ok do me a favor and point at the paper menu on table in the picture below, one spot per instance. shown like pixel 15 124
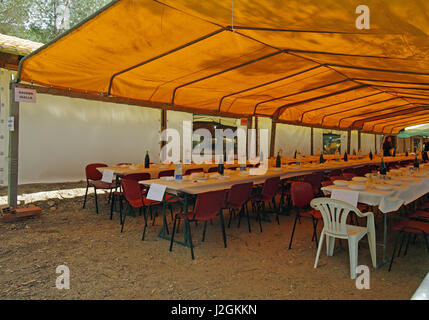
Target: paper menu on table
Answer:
pixel 156 192
pixel 107 176
pixel 348 196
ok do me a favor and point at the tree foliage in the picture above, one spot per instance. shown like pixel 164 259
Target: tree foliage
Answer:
pixel 37 20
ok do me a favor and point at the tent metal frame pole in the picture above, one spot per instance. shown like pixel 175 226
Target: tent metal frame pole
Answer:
pixel 402 120
pixel 13 151
pixel 360 107
pixel 397 87
pixel 390 81
pixel 266 83
pixel 377 70
pixel 224 71
pixel 312 141
pixel 273 136
pixel 397 121
pixel 372 112
pixel 359 140
pixel 384 116
pixel 281 109
pixel 299 92
pixel 109 91
pixel 338 103
pixel 414 123
pixel 349 139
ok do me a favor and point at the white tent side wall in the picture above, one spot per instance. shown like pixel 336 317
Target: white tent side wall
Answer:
pixel 59 136
pixel 290 138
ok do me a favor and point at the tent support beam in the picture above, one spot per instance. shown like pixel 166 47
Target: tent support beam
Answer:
pixel 12 185
pixel 372 112
pixel 359 140
pixel 386 116
pixel 364 106
pixel 338 103
pixel 273 136
pixel 109 91
pixel 378 70
pixel 224 71
pixel 266 84
pixel 312 141
pixel 403 120
pixel 299 92
pixel 281 109
pixel 403 125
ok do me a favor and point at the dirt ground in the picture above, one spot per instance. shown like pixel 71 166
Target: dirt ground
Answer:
pixel 105 264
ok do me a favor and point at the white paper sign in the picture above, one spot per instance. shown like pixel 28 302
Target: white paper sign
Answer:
pixel 346 196
pixel 156 192
pixel 107 176
pixel 25 95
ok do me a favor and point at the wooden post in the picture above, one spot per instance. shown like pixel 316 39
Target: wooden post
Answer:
pixel 359 141
pixel 13 149
pixel 348 140
pixel 273 137
pixel 163 127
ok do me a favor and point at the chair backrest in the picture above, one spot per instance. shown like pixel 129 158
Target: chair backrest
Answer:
pixel 301 194
pixel 348 170
pixel 138 176
pixel 166 173
pixel 335 173
pixel 315 179
pixel 91 171
pixel 348 176
pixel 360 171
pixel 208 204
pixel 190 171
pixel 240 193
pixel 334 213
pixel 212 169
pixel 132 192
pixel 123 164
pixel 333 178
pixel 270 188
pixel 327 183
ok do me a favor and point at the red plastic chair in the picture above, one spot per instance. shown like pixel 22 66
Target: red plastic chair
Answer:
pixel 348 176
pixel 410 227
pixel 315 179
pixel 212 169
pixel 119 194
pixel 194 170
pixel 133 195
pixel 268 193
pixel 335 172
pixel 93 179
pixel 207 206
pixel 166 173
pixel 333 178
pixel 302 194
pixel 238 196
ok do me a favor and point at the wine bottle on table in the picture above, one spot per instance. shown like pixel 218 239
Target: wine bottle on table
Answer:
pixel 406 153
pixel 321 158
pixel 146 160
pixel 278 160
pixel 416 162
pixel 370 155
pixel 383 169
pixel 346 157
pixel 220 167
pixel 295 154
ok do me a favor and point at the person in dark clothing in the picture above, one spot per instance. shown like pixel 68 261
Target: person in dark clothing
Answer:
pixel 387 147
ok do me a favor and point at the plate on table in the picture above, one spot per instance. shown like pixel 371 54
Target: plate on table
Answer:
pixel 220 177
pixel 341 183
pixel 166 178
pixel 383 187
pixel 357 186
pixel 277 169
pixel 394 182
pixel 359 179
pixel 407 179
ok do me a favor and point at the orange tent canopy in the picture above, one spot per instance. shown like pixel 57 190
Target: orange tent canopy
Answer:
pixel 300 62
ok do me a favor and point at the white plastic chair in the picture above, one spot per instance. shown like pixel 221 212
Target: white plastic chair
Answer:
pixel 334 213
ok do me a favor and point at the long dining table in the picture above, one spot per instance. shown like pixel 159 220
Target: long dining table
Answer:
pixel 389 195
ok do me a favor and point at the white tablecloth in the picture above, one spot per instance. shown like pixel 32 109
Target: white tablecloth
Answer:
pixel 390 201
